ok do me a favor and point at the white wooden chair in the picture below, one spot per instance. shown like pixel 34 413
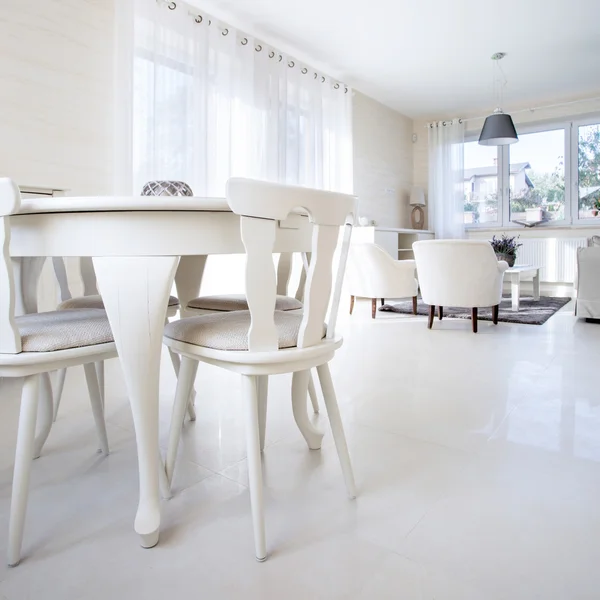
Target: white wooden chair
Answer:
pixel 219 303
pixel 32 345
pixel 262 341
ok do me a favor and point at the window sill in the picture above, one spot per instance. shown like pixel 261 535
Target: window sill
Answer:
pixel 513 227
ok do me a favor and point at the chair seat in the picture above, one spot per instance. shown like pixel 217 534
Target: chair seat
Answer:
pixel 230 302
pixel 229 331
pixel 63 329
pixel 96 302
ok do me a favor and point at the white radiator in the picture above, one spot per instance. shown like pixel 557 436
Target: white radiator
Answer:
pixel 557 257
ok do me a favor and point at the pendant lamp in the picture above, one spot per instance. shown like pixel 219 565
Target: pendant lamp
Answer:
pixel 498 129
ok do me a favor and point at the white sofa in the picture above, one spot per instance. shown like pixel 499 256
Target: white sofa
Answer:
pixel 463 273
pixel 374 274
pixel 587 284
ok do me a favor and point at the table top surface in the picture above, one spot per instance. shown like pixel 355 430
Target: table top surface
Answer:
pixel 67 204
pixel 522 268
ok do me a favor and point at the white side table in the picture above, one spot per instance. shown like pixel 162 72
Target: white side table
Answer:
pixel 515 275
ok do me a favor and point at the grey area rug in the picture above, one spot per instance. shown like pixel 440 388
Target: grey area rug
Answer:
pixel 531 312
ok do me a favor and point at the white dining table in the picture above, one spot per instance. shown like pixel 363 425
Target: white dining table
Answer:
pixel 139 245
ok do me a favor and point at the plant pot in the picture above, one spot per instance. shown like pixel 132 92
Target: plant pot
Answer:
pixel 509 258
pixel 595 212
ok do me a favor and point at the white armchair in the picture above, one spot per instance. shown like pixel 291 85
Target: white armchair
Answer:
pixel 587 284
pixel 375 274
pixel 463 273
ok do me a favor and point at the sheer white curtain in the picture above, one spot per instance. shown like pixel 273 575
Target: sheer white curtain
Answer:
pixel 208 102
pixel 446 179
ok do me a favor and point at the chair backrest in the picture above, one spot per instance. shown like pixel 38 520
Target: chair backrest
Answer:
pixel 284 273
pixel 10 202
pixel 455 268
pixel 261 205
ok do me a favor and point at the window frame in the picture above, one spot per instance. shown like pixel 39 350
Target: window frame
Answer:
pixel 571 161
pixel 574 188
pixel 473 137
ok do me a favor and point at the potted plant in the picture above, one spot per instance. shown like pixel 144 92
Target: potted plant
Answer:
pixel 506 248
pixel 596 207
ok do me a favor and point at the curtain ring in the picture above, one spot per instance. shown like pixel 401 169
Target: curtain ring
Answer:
pixel 244 41
pixel 304 71
pixel 210 22
pixel 198 18
pixel 280 58
pixel 346 90
pixel 322 79
pixel 291 64
pixel 336 86
pixel 224 32
pixel 258 48
pixel 271 54
pixel 315 76
pixel 171 6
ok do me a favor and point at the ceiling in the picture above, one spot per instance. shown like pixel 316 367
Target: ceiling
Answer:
pixel 431 58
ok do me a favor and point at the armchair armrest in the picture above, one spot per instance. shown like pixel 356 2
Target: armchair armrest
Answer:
pixel 502 266
pixel 407 265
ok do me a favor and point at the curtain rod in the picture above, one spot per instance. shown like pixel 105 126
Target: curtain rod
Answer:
pixel 514 112
pixel 198 18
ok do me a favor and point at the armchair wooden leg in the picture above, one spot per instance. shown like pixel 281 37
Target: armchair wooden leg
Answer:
pixel 431 317
pixel 373 307
pixel 495 310
pixel 440 312
pixel 382 301
pixel 351 304
pixel 474 319
pixel 414 305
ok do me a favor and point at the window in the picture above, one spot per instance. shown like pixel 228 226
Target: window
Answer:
pixel 480 184
pixel 537 176
pixel 588 170
pixel 551 176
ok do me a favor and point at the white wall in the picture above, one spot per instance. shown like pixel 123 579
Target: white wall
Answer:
pixel 56 93
pixel 383 162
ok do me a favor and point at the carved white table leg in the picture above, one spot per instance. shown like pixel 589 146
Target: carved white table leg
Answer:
pixel 515 290
pixel 135 291
pixel 536 285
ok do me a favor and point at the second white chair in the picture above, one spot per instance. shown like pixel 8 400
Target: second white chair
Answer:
pixel 262 341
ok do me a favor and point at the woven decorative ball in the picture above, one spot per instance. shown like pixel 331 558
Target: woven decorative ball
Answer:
pixel 167 188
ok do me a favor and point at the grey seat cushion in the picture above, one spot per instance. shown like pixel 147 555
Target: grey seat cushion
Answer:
pixel 96 302
pixel 63 329
pixel 229 302
pixel 229 331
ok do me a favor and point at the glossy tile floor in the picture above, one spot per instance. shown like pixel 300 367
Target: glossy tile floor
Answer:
pixel 477 459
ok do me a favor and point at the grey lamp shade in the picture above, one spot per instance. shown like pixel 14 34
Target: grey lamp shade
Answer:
pixel 417 196
pixel 498 130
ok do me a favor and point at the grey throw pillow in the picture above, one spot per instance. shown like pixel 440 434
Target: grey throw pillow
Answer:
pixel 594 241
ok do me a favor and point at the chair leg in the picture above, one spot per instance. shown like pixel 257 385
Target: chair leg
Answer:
pixel 382 301
pixel 373 307
pixel 96 402
pixel 312 435
pixel 22 469
pixel 262 383
pixel 176 362
pixel 474 319
pixel 351 304
pixel 58 390
pixel 415 305
pixel 337 428
pixel 251 409
pixel 440 312
pixel 185 382
pixel 495 311
pixel 312 392
pixel 431 316
pixel 99 366
pixel 46 408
